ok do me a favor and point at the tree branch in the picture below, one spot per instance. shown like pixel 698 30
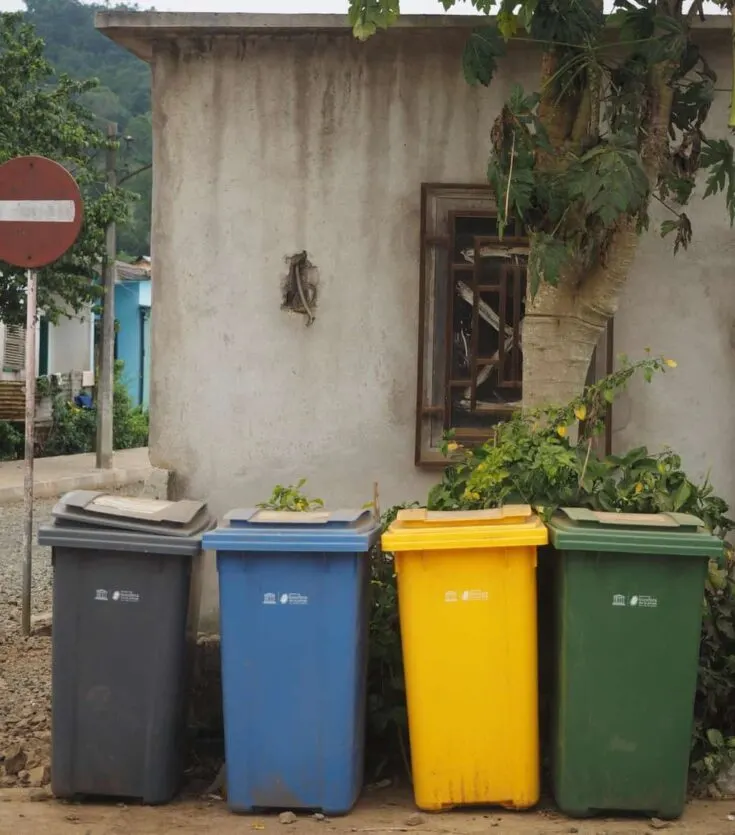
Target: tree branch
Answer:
pixel 134 173
pixel 665 204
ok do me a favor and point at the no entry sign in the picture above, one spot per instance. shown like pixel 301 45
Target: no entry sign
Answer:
pixel 40 212
pixel 40 218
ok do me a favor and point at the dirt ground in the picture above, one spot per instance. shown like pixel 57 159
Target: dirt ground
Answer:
pixel 378 812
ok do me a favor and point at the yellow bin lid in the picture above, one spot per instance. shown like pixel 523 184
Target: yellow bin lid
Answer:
pixel 441 530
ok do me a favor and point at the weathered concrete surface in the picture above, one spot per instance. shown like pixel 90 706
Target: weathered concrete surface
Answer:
pixel 269 144
pixel 59 475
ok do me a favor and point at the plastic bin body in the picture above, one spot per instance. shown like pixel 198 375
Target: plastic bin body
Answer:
pixel 628 620
pixel 467 597
pixel 293 622
pixel 119 668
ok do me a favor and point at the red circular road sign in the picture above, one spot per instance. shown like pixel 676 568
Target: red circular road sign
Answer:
pixel 40 211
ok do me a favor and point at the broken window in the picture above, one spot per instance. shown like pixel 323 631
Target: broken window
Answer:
pixel 473 292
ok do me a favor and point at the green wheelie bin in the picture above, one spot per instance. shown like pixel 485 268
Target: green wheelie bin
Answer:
pixel 628 596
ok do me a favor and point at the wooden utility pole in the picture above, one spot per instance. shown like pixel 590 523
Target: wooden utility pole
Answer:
pixel 106 381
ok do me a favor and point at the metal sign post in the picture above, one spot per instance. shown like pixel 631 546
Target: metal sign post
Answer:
pixel 30 437
pixel 40 218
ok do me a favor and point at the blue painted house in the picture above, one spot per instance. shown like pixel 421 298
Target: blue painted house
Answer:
pixel 133 327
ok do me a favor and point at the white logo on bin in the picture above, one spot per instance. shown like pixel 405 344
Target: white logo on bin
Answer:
pixel 292 599
pixel 125 596
pixel 269 599
pixel 101 594
pixel 635 601
pixel 467 596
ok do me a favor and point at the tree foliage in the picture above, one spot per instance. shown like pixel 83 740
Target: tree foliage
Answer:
pixel 122 95
pixel 42 113
pixel 618 121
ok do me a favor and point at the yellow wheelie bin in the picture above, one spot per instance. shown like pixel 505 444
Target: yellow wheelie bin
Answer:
pixel 467 599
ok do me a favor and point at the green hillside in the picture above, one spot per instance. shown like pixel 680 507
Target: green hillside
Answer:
pixel 75 47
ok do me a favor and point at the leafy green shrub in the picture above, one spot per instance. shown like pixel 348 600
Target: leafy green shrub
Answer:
pixel 387 719
pixel 74 429
pixel 531 458
pixel 11 442
pixel 713 741
pixel 129 423
pixel 291 498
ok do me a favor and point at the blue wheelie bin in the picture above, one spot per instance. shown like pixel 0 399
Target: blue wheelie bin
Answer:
pixel 293 620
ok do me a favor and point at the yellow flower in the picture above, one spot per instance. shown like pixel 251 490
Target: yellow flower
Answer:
pixel 580 412
pixel 671 363
pixel 453 447
pixel 639 488
pixel 561 431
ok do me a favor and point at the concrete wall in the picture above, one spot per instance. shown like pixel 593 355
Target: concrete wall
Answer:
pixel 271 145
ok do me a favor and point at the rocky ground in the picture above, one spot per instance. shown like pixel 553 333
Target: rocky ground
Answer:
pixel 25 663
pixel 377 813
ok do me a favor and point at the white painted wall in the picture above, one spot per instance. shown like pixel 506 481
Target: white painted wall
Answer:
pixel 71 344
pixel 268 145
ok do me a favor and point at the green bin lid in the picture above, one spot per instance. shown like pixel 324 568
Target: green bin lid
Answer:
pixel 670 534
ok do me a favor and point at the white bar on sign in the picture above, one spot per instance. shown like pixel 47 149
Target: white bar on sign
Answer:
pixel 37 211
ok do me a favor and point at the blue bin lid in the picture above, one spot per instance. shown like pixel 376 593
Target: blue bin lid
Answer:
pixel 253 529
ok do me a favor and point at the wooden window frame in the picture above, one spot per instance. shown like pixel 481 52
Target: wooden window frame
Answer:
pixel 441 204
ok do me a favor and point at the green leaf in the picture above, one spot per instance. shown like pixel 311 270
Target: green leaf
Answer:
pixel 683 228
pixel 682 496
pixel 715 738
pixel 718 156
pixel 480 55
pixel 692 103
pixel 506 23
pixel 609 181
pixel 367 16
pixel 547 259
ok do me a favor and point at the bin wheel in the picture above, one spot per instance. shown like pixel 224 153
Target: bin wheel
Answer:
pixel 579 813
pixel 668 814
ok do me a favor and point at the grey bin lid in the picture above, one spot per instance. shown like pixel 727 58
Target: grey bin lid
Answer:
pixel 91 509
pixel 109 540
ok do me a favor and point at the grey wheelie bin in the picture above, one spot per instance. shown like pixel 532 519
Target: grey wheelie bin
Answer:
pixel 125 607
